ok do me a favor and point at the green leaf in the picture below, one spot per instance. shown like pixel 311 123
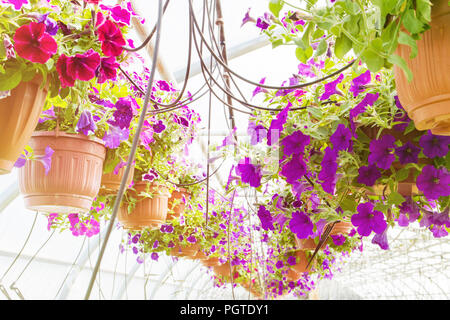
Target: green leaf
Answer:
pixel 395 198
pixel 342 46
pixel 275 6
pixel 304 55
pixel 402 174
pixel 411 23
pixel 348 204
pixel 399 61
pixel 423 9
pixel 321 48
pixel 406 39
pixel 372 59
pixel 10 79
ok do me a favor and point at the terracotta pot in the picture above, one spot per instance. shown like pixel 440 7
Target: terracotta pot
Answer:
pixel 110 183
pixel 427 97
pixel 211 262
pixel 189 252
pixel 300 267
pixel 223 270
pixel 74 178
pixel 19 115
pixel 306 244
pixel 341 227
pixel 148 212
pixel 176 203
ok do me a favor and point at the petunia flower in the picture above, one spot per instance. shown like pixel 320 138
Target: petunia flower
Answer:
pixel 83 66
pixel 249 173
pixel 118 14
pixel 292 260
pixel 154 256
pixel 247 18
pixel 381 240
pixel 433 145
pixel 159 127
pixel 306 70
pixel 86 123
pixel 256 132
pixel 368 175
pixel 408 153
pixel 301 225
pixel 123 114
pixel 434 182
pixel 367 220
pixel 16 3
pixel 381 152
pixel 359 82
pixel 327 175
pixel 115 136
pixel 31 42
pixel 368 100
pixel 294 169
pixel 46 159
pixel 276 126
pixel 341 138
pixel 266 218
pixel 259 89
pixel 107 70
pixel 338 239
pixel 295 143
pixel 330 88
pixel 264 22
pixel 65 77
pixel 403 118
pixel 111 38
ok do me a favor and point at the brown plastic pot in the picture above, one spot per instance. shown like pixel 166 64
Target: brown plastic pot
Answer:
pixel 342 227
pixel 19 115
pixel 211 262
pixel 306 244
pixel 74 177
pixel 110 183
pixel 427 97
pixel 189 252
pixel 148 212
pixel 223 270
pixel 176 203
pixel 300 267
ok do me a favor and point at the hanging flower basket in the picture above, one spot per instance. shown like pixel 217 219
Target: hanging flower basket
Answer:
pixel 210 262
pixel 110 182
pixel 19 115
pixel 296 271
pixel 223 270
pixel 427 97
pixel 73 180
pixel 177 202
pixel 148 212
pixel 342 227
pixel 189 252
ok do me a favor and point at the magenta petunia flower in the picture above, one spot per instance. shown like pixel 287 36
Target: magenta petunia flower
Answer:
pixel 33 43
pixel 381 152
pixel 368 100
pixel 247 18
pixel 259 89
pixel 154 256
pixel 159 127
pixel 360 81
pixel 301 225
pixel 368 175
pixel 83 66
pixel 107 70
pixel 266 218
pixel 115 136
pixel 434 182
pixel 264 22
pixel 433 145
pixel 327 176
pixel 65 77
pixel 276 126
pixel 191 239
pixel 367 220
pixel 294 169
pixel 249 172
pixel 408 153
pixel 111 38
pixel 118 14
pixel 279 264
pixel 338 239
pixel 330 88
pixel 295 143
pixel 341 138
pixel 306 70
pixel 16 3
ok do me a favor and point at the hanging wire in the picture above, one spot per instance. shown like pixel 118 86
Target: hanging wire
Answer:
pixel 2 288
pixel 132 153
pixel 13 285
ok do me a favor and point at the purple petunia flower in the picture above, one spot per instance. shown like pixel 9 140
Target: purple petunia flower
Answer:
pixel 341 138
pixel 191 239
pixel 368 100
pixel 338 239
pixel 154 256
pixel 295 143
pixel 327 176
pixel 330 88
pixel 305 70
pixel 381 240
pixel 408 153
pixel 159 127
pixel 294 169
pixel 115 136
pixel 292 260
pixel 403 117
pixel 381 152
pixel 434 146
pixel 247 18
pixel 249 173
pixel 279 264
pixel 367 220
pixel 434 182
pixel 46 159
pixel 256 132
pixel 276 126
pixel 259 89
pixel 368 175
pixel 360 81
pixel 107 69
pixel 301 225
pixel 264 22
pixel 266 218
pixel 86 123
pixel 51 27
pixel 123 114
